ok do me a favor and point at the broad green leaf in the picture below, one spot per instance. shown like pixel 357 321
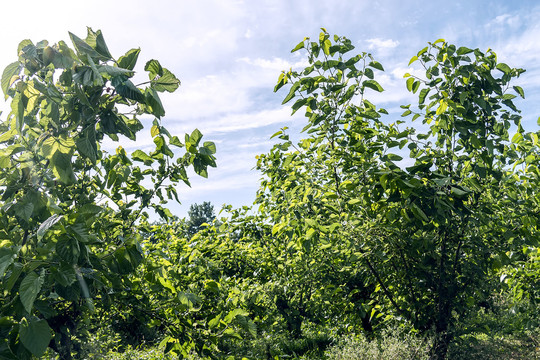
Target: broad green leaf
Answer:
pixel 84 49
pixel 519 90
pixel 326 46
pixel 166 82
pixel 413 59
pixel 29 289
pixel 517 138
pixel 24 209
pixel 394 157
pixel 114 71
pixel 154 102
pixel 17 109
pixel 464 50
pixel 95 39
pixel 504 68
pixel 35 335
pixel 299 46
pixel 376 65
pixel 62 169
pixel 68 249
pixel 127 89
pixel 310 233
pixel 47 224
pixel 154 69
pixel 129 60
pixel 9 75
pixel 422 95
pixel 291 93
pixel 372 84
pixel 210 146
pixel 5 260
pixel 86 144
pixel 195 137
pixel 176 141
pixel 91 209
pixel 419 213
pixel 139 155
pixel 458 192
pixel 410 82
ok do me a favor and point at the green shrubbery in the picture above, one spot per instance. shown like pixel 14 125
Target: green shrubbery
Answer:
pixel 350 253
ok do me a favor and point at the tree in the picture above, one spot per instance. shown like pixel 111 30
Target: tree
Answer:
pixel 428 236
pixel 199 215
pixel 68 208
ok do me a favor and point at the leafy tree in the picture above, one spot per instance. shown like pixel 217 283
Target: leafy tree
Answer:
pixel 68 209
pixel 427 237
pixel 199 214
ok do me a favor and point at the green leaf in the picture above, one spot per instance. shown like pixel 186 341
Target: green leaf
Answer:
pixel 326 46
pixel 519 90
pixel 310 233
pixel 458 192
pixel 422 95
pixel 139 155
pixel 5 261
pixel 410 82
pixel 47 224
pixel 61 166
pixel 372 84
pixel 195 137
pixel 24 209
pixel 175 141
pixel 68 249
pixel 35 335
pixel 464 50
pixel 154 102
pixel 210 146
pixel 114 71
pixel 517 138
pixel 419 213
pixel 9 75
pixel 84 49
pixel 127 89
pixel 413 59
pixel 504 68
pixel 129 60
pixel 394 157
pixel 291 93
pixel 299 46
pixel 95 40
pixel 87 145
pixel 376 65
pixel 29 289
pixel 166 82
pixel 154 69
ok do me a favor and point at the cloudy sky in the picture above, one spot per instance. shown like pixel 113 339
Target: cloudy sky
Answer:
pixel 228 55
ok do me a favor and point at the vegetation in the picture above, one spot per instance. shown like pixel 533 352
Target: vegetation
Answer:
pixel 371 238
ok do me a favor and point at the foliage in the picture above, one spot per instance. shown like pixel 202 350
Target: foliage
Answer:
pixel 199 214
pixel 363 224
pixel 391 345
pixel 425 237
pixel 69 208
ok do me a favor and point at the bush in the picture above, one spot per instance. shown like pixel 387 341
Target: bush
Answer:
pixel 387 347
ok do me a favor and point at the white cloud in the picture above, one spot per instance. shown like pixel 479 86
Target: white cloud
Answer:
pixel 379 43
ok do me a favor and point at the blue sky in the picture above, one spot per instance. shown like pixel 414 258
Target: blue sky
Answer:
pixel 228 55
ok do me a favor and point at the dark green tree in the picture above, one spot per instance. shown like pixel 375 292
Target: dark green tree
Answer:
pixel 68 209
pixel 199 214
pixel 430 236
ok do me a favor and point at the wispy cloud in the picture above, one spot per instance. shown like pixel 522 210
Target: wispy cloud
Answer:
pixel 379 43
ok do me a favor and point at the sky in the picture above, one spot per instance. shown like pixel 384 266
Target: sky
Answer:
pixel 228 55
